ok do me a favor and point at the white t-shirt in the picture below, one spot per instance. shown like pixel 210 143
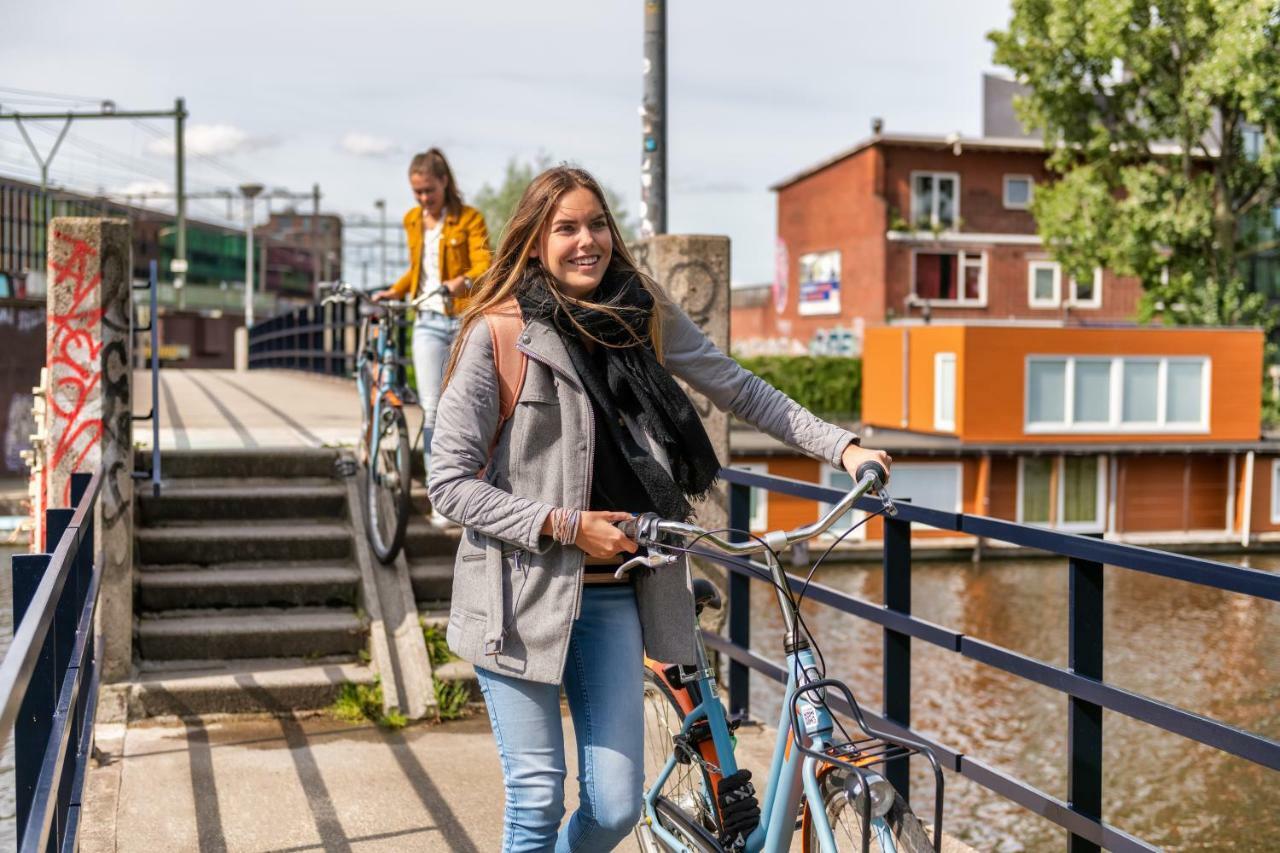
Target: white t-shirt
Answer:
pixel 430 281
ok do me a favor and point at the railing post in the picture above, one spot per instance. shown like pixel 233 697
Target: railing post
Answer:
pixel 1084 719
pixel 739 605
pixel 35 716
pixel 897 646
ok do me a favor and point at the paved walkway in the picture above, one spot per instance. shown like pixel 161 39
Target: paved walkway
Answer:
pixel 257 408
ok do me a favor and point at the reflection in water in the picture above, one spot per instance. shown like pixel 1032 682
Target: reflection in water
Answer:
pixel 1207 651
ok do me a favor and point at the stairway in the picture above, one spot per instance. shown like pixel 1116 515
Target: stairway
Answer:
pixel 248 591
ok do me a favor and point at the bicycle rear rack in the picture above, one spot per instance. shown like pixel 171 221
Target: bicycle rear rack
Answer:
pixel 876 749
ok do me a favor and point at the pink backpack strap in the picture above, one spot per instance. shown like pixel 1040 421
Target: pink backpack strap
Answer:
pixel 505 325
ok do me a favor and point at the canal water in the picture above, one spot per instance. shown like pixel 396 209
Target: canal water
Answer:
pixel 1207 651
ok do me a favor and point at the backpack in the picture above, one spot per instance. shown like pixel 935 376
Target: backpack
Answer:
pixel 505 325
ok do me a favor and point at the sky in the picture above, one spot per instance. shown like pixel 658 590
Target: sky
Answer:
pixel 291 94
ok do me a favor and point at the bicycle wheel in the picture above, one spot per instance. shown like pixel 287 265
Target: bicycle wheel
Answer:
pixel 686 803
pixel 386 502
pixel 899 831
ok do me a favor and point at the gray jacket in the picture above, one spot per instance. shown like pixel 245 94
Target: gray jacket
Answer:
pixel 516 593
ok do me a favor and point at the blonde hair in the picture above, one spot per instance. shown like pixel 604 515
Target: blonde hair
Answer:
pixel 513 259
pixel 433 162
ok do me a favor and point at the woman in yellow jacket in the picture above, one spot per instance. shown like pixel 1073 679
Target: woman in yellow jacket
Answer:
pixel 448 251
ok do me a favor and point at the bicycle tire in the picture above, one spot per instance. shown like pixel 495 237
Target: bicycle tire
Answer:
pixel 685 805
pixel 387 488
pixel 899 831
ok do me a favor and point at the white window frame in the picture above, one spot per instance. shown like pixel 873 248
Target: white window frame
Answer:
pixel 1275 491
pixel 1097 525
pixel 760 516
pixel 858 535
pixel 957 467
pixel 1095 302
pixel 962 259
pixel 933 207
pixel 1114 422
pixel 1031 190
pixel 1056 299
pixel 944 421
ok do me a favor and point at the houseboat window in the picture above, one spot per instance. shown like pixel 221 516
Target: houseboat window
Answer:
pixel 1063 492
pixel 834 479
pixel 759 497
pixel 1184 395
pixel 934 199
pixel 1036 480
pixel 1046 391
pixel 1093 391
pixel 1017 192
pixel 936 485
pixel 1115 394
pixel 1044 284
pixel 1275 491
pixel 951 277
pixel 1141 391
pixel 944 391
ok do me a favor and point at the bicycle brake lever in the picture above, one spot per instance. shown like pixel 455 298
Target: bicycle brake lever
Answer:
pixel 651 560
pixel 890 509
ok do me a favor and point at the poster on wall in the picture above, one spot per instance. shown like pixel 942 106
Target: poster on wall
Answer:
pixel 781 274
pixel 819 283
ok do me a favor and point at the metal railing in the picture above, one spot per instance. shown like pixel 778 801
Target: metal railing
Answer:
pixel 1082 682
pixel 316 338
pixel 153 329
pixel 49 676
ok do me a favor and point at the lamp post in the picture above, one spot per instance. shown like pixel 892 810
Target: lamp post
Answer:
pixel 381 204
pixel 250 192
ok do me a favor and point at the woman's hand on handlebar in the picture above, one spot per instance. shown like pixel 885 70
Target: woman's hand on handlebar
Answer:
pixel 855 456
pixel 599 538
pixel 383 294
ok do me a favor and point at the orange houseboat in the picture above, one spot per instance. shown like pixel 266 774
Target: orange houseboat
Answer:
pixel 1136 433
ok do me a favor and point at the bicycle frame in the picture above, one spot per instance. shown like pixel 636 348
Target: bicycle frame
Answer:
pixel 385 349
pixel 791 774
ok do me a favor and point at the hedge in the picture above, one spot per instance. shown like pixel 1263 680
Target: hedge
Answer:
pixel 827 385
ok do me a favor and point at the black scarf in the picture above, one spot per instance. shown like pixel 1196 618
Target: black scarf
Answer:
pixel 628 380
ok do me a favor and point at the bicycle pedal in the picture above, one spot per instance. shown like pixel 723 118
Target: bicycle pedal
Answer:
pixel 345 466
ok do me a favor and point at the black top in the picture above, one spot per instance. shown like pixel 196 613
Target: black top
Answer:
pixel 614 485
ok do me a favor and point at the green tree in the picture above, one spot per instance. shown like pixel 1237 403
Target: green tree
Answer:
pixel 498 203
pixel 1163 119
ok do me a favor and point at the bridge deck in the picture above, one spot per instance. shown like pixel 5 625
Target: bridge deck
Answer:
pixel 261 408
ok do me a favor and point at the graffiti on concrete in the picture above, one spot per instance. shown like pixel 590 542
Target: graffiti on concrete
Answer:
pixel 73 353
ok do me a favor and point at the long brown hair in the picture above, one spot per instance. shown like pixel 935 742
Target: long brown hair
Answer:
pixel 523 233
pixel 433 162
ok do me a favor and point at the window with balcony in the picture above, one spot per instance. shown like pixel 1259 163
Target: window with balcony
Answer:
pixel 1101 394
pixel 956 278
pixel 1017 191
pixel 1066 492
pixel 935 200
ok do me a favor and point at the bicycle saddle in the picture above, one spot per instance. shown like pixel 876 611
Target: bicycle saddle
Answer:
pixel 705 594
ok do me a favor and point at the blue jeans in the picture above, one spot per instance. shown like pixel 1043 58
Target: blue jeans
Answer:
pixel 603 681
pixel 433 335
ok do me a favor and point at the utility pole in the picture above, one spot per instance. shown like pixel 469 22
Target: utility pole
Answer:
pixel 381 204
pixel 249 191
pixel 314 229
pixel 653 121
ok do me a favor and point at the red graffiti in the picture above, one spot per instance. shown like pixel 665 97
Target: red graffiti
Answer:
pixel 74 347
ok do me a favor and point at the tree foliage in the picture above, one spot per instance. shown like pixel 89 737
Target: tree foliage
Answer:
pixel 498 203
pixel 1163 118
pixel 828 385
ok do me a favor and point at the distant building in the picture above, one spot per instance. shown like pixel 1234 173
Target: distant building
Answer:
pixel 1146 434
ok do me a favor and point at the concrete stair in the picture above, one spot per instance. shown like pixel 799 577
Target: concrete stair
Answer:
pixel 248 589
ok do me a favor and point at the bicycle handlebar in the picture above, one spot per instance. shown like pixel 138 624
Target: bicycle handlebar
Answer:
pixel 647 529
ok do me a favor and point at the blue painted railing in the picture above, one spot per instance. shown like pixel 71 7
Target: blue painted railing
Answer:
pixel 49 677
pixel 1082 682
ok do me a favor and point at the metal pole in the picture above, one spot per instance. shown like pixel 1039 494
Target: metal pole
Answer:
pixel 381 204
pixel 1084 719
pixel 314 233
pixel 739 605
pixel 653 118
pixel 155 381
pixel 180 190
pixel 248 262
pixel 897 646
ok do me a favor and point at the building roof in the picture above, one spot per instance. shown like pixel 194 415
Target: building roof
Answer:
pixel 746 441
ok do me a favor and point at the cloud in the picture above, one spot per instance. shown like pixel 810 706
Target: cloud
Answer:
pixel 210 140
pixel 366 144
pixel 143 188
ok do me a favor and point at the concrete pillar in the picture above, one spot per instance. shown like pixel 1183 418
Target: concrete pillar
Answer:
pixel 694 271
pixel 88 421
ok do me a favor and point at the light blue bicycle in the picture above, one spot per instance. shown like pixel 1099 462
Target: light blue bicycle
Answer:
pixel 821 780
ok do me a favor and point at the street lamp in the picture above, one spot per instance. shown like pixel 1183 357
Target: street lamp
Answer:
pixel 381 204
pixel 250 192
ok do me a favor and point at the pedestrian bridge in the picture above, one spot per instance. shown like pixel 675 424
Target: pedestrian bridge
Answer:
pixel 255 593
